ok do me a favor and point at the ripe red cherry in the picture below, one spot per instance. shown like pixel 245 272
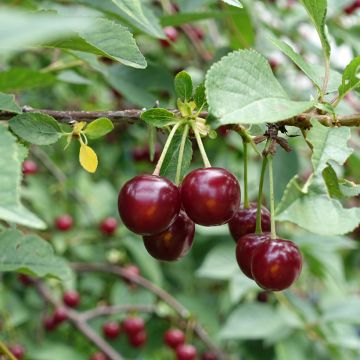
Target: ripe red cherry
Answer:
pixel 172 35
pixel 174 242
pixel 17 350
pixel 244 221
pixel 49 323
pixel 26 280
pixel 111 329
pixel 186 352
pixel 245 249
pixel 276 264
pixel 210 196
pixel 71 298
pixel 60 315
pixel 208 356
pixel 64 222
pixel 138 339
pixel 173 338
pixel 148 204
pixel 108 226
pixel 29 167
pixel 98 356
pixel 133 325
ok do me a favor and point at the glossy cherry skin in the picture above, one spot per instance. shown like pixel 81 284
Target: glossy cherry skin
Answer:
pixel 138 339
pixel 98 356
pixel 186 352
pixel 173 338
pixel 111 329
pixel 244 221
pixel 208 356
pixel 133 325
pixel 60 315
pixel 71 298
pixel 245 249
pixel 172 35
pixel 210 196
pixel 148 204
pixel 29 167
pixel 17 350
pixel 64 222
pixel 276 264
pixel 173 243
pixel 108 226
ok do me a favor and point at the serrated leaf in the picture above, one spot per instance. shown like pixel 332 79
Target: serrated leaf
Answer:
pixel 329 144
pixel 98 128
pixel 350 78
pixel 88 158
pixel 332 182
pixel 317 10
pixel 8 103
pixel 158 117
pixel 236 91
pixel 38 129
pixel 183 86
pixel 200 96
pixel 32 254
pixel 236 3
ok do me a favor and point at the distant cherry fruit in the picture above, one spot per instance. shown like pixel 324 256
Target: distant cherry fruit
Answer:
pixel 71 298
pixel 138 339
pixel 49 323
pixel 17 350
pixel 133 325
pixel 64 222
pixel 244 221
pixel 148 204
pixel 173 338
pixel 60 315
pixel 108 226
pixel 245 249
pixel 142 153
pixel 210 196
pixel 208 356
pixel 174 242
pixel 98 356
pixel 276 264
pixel 111 329
pixel 29 167
pixel 186 352
pixel 171 34
pixel 26 280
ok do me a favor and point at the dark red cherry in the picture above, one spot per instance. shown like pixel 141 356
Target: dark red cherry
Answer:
pixel 64 222
pixel 174 242
pixel 49 323
pixel 98 356
pixel 138 339
pixel 276 264
pixel 29 167
pixel 171 34
pixel 142 153
pixel 186 352
pixel 173 338
pixel 148 204
pixel 60 315
pixel 26 280
pixel 210 196
pixel 245 248
pixel 108 226
pixel 71 298
pixel 17 350
pixel 111 329
pixel 133 325
pixel 209 356
pixel 262 296
pixel 244 221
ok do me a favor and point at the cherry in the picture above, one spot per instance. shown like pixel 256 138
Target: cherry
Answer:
pixel 186 352
pixel 245 249
pixel 174 337
pixel 26 280
pixel 208 356
pixel 29 167
pixel 133 325
pixel 142 153
pixel 138 339
pixel 263 297
pixel 172 35
pixel 64 222
pixel 352 7
pixel 174 242
pixel 276 264
pixel 148 204
pixel 98 356
pixel 111 329
pixel 17 350
pixel 60 315
pixel 108 226
pixel 71 298
pixel 244 221
pixel 198 33
pixel 49 323
pixel 210 196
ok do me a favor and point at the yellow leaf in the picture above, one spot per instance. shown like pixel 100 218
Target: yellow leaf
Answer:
pixel 88 158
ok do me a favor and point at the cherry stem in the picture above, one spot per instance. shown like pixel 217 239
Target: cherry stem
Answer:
pixel 246 194
pixel 272 198
pixel 4 350
pixel 259 200
pixel 201 147
pixel 181 154
pixel 166 148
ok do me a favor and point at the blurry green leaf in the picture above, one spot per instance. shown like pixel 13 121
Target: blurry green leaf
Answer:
pixel 240 285
pixel 183 86
pixel 72 77
pixel 7 103
pixel 235 97
pixel 98 128
pixel 32 254
pixel 332 182
pixel 36 128
pixel 158 117
pixel 242 31
pixel 295 347
pixel 349 188
pixel 120 295
pixel 55 351
pixel 350 78
pixel 347 310
pixel 200 96
pixel 236 3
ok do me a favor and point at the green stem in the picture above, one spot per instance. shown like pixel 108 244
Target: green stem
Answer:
pixel 4 350
pixel 246 194
pixel 201 148
pixel 272 198
pixel 58 66
pixel 166 148
pixel 259 200
pixel 181 154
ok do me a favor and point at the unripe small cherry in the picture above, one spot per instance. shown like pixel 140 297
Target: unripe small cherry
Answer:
pixel 64 222
pixel 98 356
pixel 108 226
pixel 171 34
pixel 173 338
pixel 138 339
pixel 132 325
pixel 18 351
pixel 111 329
pixel 71 298
pixel 29 167
pixel 186 352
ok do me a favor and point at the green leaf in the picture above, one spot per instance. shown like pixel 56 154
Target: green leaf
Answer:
pixel 8 103
pixel 120 295
pixel 98 128
pixel 347 310
pixel 183 86
pixel 329 144
pixel 242 29
pixel 32 254
pixel 350 78
pixel 349 188
pixel 107 38
pixel 11 210
pixel 158 117
pixel 332 182
pixel 236 3
pixel 200 96
pixel 237 93
pixel 38 129
pixel 53 350
pixel 317 10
